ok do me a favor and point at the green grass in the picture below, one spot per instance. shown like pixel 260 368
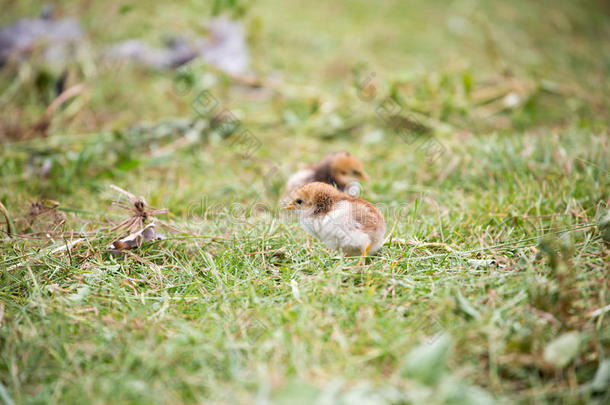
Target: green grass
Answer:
pixel 234 307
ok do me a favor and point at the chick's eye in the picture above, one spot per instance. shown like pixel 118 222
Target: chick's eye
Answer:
pixel 299 201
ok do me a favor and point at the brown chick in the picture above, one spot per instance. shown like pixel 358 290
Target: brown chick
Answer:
pixel 339 220
pixel 339 169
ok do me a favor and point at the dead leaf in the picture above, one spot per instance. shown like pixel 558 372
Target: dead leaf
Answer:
pixel 136 239
pixel 141 224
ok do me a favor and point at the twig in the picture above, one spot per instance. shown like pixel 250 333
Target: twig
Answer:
pixel 130 196
pixel 393 227
pixel 597 312
pixel 41 254
pixel 425 244
pixel 148 263
pixel 10 227
pixel 44 122
pixel 546 316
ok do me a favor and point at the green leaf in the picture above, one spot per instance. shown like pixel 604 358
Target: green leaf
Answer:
pixel 561 351
pixel 81 293
pixel 467 82
pixel 127 165
pixel 466 307
pixel 601 381
pixel 126 8
pixel 455 391
pixel 428 362
pixel 295 394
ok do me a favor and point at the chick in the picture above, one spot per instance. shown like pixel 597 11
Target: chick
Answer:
pixel 339 220
pixel 339 169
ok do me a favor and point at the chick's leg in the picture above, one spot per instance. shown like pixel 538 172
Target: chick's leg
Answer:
pixel 363 255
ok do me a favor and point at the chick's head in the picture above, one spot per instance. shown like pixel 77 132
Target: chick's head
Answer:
pixel 347 168
pixel 314 198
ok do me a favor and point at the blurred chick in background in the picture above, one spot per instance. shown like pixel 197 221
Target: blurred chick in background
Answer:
pixel 339 169
pixel 341 221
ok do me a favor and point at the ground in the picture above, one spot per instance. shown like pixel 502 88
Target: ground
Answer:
pixel 484 129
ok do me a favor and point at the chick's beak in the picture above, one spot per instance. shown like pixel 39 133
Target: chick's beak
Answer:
pixel 290 207
pixel 365 176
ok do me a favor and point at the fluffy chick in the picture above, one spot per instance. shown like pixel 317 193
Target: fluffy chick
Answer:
pixel 341 221
pixel 338 169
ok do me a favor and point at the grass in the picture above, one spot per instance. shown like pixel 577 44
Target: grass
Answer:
pixel 233 307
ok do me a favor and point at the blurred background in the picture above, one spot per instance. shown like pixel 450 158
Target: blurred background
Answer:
pixel 451 60
pixel 291 72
